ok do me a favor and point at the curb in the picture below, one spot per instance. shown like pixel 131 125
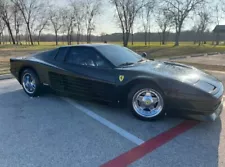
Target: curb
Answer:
pixel 206 66
pixel 178 57
pixel 213 53
pixel 196 55
pixel 6 76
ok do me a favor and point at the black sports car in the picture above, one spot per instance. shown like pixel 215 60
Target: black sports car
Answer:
pixel 116 74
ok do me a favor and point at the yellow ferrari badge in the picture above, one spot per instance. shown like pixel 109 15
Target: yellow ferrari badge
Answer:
pixel 121 78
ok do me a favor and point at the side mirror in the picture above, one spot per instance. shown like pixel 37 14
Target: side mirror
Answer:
pixel 144 54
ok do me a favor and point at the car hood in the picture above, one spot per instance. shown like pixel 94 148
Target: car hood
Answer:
pixel 177 71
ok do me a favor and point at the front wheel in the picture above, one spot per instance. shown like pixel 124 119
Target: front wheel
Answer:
pixel 30 82
pixel 146 102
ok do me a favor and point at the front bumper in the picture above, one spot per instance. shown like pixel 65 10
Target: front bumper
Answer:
pixel 210 117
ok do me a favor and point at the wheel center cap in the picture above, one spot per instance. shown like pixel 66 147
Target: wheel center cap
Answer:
pixel 147 99
pixel 148 102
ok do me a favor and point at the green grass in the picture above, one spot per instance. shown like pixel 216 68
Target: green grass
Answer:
pixel 155 49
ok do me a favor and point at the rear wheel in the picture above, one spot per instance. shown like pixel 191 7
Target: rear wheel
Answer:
pixel 30 82
pixel 146 102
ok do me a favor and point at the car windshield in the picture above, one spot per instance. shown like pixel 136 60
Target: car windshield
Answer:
pixel 119 56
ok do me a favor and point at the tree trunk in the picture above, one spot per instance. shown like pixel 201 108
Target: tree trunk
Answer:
pixel 217 39
pixel 177 39
pixel 39 37
pixel 88 40
pixel 163 37
pixel 149 38
pixel 78 38
pixel 125 39
pixel 89 36
pixel 2 37
pixel 67 37
pixel 56 37
pixel 16 38
pixel 199 39
pixel 146 36
pixel 29 32
pixel 10 33
pixel 78 35
pixel 160 40
pixel 132 39
pixel 63 38
pixel 71 37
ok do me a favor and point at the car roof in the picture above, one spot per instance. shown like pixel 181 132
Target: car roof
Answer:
pixel 89 45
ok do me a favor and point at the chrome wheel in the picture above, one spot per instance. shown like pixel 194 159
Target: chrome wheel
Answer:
pixel 29 83
pixel 147 103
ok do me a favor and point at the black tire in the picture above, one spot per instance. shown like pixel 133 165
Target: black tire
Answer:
pixel 34 76
pixel 132 93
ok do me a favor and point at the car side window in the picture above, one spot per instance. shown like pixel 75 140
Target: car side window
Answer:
pixel 61 54
pixel 86 57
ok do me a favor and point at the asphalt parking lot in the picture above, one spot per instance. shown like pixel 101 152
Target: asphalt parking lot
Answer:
pixel 60 131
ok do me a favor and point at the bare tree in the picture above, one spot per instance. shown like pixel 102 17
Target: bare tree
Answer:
pixel 179 10
pixel 91 10
pixel 42 24
pixel 56 21
pixel 163 20
pixel 219 9
pixel 79 16
pixel 127 11
pixel 2 27
pixel 145 15
pixel 68 23
pixel 29 10
pixel 18 22
pixel 6 15
pixel 79 24
pixel 217 14
pixel 202 22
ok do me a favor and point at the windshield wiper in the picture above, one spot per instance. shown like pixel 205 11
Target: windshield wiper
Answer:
pixel 125 64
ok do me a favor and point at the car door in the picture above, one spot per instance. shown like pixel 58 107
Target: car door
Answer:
pixel 56 73
pixel 89 74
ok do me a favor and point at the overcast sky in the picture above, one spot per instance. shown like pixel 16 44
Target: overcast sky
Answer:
pixel 106 22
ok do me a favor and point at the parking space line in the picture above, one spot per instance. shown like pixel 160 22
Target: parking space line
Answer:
pixel 138 152
pixel 105 122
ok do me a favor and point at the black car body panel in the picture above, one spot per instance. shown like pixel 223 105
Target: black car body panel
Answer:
pixel 186 89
